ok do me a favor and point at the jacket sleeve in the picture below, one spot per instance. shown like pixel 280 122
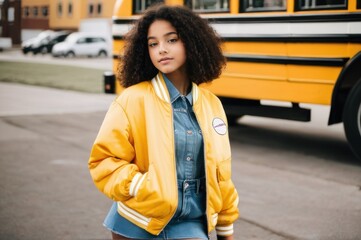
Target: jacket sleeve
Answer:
pixel 111 156
pixel 229 212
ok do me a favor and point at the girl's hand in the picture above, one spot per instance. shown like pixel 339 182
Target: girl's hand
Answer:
pixel 225 238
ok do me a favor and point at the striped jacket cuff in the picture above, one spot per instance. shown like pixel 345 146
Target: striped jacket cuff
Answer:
pixel 136 183
pixel 224 230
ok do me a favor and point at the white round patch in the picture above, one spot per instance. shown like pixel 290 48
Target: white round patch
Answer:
pixel 219 126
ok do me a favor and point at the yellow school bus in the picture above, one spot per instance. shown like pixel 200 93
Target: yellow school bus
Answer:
pixel 295 51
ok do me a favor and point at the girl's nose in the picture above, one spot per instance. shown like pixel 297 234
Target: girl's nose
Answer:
pixel 162 49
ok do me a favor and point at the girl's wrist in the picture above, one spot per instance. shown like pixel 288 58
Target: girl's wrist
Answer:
pixel 225 237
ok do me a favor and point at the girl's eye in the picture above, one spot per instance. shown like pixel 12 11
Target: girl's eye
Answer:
pixel 152 44
pixel 173 40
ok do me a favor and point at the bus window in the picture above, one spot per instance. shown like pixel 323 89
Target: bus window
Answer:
pixel 358 4
pixel 141 5
pixel 208 5
pixel 263 5
pixel 321 4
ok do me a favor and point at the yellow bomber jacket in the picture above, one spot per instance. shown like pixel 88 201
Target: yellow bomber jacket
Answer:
pixel 133 157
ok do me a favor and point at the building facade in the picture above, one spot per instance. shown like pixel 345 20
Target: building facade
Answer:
pixel 39 15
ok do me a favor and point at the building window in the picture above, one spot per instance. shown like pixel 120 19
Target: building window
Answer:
pixel 26 12
pixel 99 9
pixel 91 9
pixel 11 14
pixel 263 5
pixel 208 5
pixel 70 8
pixel 35 12
pixel 60 8
pixel 140 6
pixel 44 11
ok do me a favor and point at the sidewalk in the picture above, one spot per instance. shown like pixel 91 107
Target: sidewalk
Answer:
pixel 46 191
pixel 18 99
pixel 15 55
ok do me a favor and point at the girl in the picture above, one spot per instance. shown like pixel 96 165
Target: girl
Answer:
pixel 162 153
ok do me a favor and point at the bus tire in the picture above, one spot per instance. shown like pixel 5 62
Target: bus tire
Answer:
pixel 232 120
pixel 352 119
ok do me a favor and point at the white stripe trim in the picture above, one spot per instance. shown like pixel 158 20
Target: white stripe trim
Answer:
pixel 133 214
pixel 141 180
pixel 224 228
pixel 195 92
pixel 309 28
pixel 225 233
pixel 162 89
pixel 156 88
pixel 120 29
pixel 288 28
pixel 159 89
pixel 134 183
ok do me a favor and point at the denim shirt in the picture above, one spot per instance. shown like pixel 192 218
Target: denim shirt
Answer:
pixel 187 134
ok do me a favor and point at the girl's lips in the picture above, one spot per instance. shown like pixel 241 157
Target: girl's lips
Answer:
pixel 164 60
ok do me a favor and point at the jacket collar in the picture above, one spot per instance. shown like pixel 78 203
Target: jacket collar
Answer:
pixel 161 89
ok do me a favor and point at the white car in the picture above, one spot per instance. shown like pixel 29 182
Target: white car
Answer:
pixel 82 44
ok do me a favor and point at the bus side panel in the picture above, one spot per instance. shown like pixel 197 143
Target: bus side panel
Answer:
pixel 292 83
pixel 118 46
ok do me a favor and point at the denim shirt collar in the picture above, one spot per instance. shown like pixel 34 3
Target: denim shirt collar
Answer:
pixel 174 93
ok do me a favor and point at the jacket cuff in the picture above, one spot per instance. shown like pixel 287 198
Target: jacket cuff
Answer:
pixel 136 183
pixel 224 231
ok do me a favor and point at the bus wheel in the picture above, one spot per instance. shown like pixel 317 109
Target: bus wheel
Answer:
pixel 352 119
pixel 232 120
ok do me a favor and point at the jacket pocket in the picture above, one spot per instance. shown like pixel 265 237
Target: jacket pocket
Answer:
pixel 224 171
pixel 152 198
pixel 135 216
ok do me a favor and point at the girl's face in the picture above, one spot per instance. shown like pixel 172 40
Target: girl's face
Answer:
pixel 166 49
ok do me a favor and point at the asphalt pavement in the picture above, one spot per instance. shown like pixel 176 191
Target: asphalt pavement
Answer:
pixel 46 191
pixel 45 186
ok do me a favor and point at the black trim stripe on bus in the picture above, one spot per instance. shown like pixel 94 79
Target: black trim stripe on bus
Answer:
pixel 314 38
pixel 287 60
pixel 300 38
pixel 118 37
pixel 326 17
pixel 340 17
pixel 123 21
pixel 338 62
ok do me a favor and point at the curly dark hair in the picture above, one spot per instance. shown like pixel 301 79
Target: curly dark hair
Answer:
pixel 204 58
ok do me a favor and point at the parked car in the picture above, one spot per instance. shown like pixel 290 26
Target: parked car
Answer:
pixel 47 47
pixel 82 44
pixel 28 45
pixel 44 42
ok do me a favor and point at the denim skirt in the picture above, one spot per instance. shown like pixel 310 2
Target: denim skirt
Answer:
pixel 189 221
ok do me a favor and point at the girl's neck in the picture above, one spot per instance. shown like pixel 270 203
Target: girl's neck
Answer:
pixel 180 81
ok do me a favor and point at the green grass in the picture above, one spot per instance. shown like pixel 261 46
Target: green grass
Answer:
pixel 48 75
